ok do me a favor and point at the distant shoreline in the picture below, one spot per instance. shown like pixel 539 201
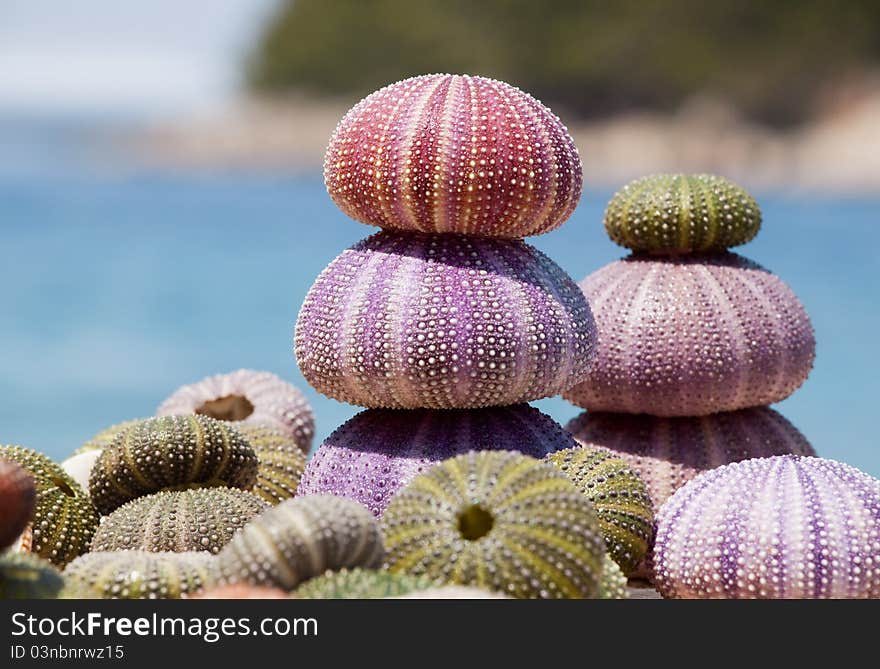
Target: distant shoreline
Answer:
pixel 838 153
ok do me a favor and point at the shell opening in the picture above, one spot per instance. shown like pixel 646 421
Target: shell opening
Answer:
pixel 63 486
pixel 229 407
pixel 475 522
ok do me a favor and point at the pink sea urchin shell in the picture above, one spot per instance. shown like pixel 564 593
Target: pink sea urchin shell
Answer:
pixel 693 335
pixel 771 528
pixel 454 153
pixel 409 321
pixel 256 398
pixel 669 452
pixel 374 454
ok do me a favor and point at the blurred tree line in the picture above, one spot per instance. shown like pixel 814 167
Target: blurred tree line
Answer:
pixel 769 59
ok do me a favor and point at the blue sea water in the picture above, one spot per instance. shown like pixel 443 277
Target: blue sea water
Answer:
pixel 117 287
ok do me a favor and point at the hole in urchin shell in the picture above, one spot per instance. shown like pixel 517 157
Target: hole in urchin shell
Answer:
pixel 474 522
pixel 230 407
pixel 63 486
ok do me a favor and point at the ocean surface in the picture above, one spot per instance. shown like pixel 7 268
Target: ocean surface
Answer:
pixel 119 285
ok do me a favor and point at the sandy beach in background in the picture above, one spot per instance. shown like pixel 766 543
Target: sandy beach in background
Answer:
pixel 838 152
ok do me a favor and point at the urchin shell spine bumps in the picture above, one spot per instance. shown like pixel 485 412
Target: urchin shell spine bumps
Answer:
pixel 782 527
pixel 668 452
pixel 247 397
pixel 172 452
pixel 682 213
pixel 27 576
pixel 188 520
pixel 693 336
pixel 299 539
pixel 143 575
pixel 361 584
pixel 496 520
pixel 375 453
pixel 620 497
pixel 18 496
pixel 281 462
pixel 64 517
pixel 448 153
pixel 443 321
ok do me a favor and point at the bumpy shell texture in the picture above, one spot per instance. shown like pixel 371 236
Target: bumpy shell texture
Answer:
pixel 299 539
pixel 408 321
pixel 693 336
pixel 682 213
pixel 105 437
pixel 172 452
pixel 239 591
pixel 496 520
pixel 18 497
pixel 64 518
pixel 612 585
pixel 361 584
pixel 250 398
pixel 620 497
pixel 281 462
pixel 454 153
pixel 143 575
pixel 188 520
pixel 374 454
pixel 668 452
pixel 27 576
pixel 783 527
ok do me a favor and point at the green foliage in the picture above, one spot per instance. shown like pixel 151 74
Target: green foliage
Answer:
pixel 592 57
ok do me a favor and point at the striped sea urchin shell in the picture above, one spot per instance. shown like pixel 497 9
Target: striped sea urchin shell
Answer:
pixel 409 321
pixel 299 539
pixel 247 397
pixel 143 575
pixel 693 336
pixel 668 452
pixel 620 497
pixel 168 453
pixel 612 585
pixel 28 576
pixel 280 462
pixel 18 497
pixel 375 453
pixel 785 527
pixel 64 518
pixel 496 520
pixel 454 153
pixel 179 521
pixel 239 591
pixel 682 213
pixel 361 584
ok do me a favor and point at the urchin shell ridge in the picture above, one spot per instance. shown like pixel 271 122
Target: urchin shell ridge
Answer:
pixel 280 462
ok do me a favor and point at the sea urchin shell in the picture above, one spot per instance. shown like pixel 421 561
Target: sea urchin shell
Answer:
pixel 361 584
pixel 693 336
pixel 18 496
pixel 203 519
pixel 247 397
pixel 497 520
pixel 682 213
pixel 168 453
pixel 280 462
pixel 299 539
pixel 410 321
pixel 783 527
pixel 454 153
pixel 374 454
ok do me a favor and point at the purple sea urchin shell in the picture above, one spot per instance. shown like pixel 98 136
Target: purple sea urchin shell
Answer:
pixel 693 336
pixel 771 528
pixel 668 452
pixel 374 454
pixel 454 153
pixel 255 398
pixel 408 321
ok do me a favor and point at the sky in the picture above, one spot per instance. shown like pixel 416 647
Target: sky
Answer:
pixel 123 57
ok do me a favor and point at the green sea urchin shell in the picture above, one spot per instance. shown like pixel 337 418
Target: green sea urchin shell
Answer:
pixel 612 585
pixel 452 592
pixel 143 575
pixel 620 497
pixel 105 437
pixel 361 584
pixel 168 453
pixel 203 519
pixel 64 517
pixel 681 213
pixel 27 576
pixel 281 462
pixel 497 520
pixel 302 538
pixel 18 497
